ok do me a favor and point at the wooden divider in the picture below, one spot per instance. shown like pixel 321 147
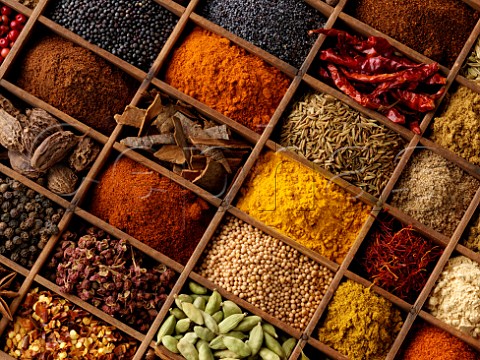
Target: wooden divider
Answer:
pixel 300 77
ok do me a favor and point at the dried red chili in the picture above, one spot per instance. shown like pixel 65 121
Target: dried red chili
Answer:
pixel 399 261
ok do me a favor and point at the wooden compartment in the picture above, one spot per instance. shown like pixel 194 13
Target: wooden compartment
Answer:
pixel 75 206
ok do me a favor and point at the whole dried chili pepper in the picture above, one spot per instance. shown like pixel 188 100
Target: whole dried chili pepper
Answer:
pixel 395 116
pixel 436 79
pixel 375 45
pixel 400 77
pixel 415 127
pixel 344 85
pixel 414 101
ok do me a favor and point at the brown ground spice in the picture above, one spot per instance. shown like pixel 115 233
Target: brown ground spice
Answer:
pixel 436 28
pixel 151 207
pixel 75 81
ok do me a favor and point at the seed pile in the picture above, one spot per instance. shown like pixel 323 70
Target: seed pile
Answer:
pixel 457 128
pixel 119 280
pixel 471 238
pixel 302 204
pixel 434 191
pixel 455 298
pixel 11 25
pixel 203 326
pixel 431 343
pixel 279 27
pixel 471 68
pixel 399 259
pixel 75 81
pixel 27 220
pixel 48 326
pixel 225 77
pixel 265 272
pixel 359 323
pixel 135 31
pixel 343 141
pixel 421 24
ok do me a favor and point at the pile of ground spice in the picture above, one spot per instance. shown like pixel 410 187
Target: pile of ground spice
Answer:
pixel 225 77
pixel 434 191
pixel 436 28
pixel 431 343
pixel 455 297
pixel 150 207
pixel 471 238
pixel 359 323
pixel 457 128
pixel 75 81
pixel 303 205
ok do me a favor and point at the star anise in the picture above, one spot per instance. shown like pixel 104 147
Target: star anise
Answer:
pixel 4 292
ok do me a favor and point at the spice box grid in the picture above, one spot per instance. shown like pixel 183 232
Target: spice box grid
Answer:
pixel 398 173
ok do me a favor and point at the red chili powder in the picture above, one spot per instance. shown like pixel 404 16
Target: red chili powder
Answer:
pixel 151 207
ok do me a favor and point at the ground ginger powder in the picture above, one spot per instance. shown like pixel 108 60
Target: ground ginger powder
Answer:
pixel 457 128
pixel 302 204
pixel 359 323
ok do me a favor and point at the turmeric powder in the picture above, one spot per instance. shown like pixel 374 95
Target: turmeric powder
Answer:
pixel 303 205
pixel 225 77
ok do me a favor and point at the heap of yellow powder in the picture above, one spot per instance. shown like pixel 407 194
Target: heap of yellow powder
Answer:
pixel 303 205
pixel 359 323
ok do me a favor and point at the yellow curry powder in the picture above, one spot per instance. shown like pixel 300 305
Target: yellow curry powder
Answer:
pixel 359 323
pixel 302 204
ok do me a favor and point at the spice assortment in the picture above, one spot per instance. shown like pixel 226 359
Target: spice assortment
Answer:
pixel 399 259
pixel 205 326
pixel 371 73
pixel 318 240
pixel 190 145
pixel 434 191
pixel 111 275
pixel 49 326
pixel 350 316
pixel 241 258
pixel 224 76
pixel 340 139
pixel 302 204
pixel 257 22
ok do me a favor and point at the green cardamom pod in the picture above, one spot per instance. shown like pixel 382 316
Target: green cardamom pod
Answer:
pixel 237 346
pixel 179 314
pixel 255 339
pixel 274 345
pixel 230 323
pixel 304 357
pixel 270 329
pixel 217 343
pixel 266 354
pixel 193 313
pixel 204 351
pixel 196 288
pixel 200 303
pixel 182 298
pixel 248 323
pixel 230 308
pixel 167 328
pixel 170 343
pixel 237 334
pixel 225 354
pixel 204 333
pixel 191 337
pixel 218 316
pixel 182 326
pixel 213 304
pixel 288 346
pixel 210 323
pixel 187 350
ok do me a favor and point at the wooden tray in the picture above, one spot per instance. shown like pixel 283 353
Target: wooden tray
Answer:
pixel 261 142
